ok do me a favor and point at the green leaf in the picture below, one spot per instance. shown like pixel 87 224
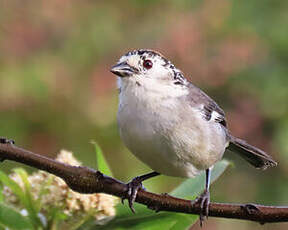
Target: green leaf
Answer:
pixel 85 221
pixel 151 221
pixel 194 186
pixel 28 201
pixel 15 188
pixel 143 219
pixel 55 216
pixel 1 193
pixel 102 164
pixel 11 218
pixel 43 191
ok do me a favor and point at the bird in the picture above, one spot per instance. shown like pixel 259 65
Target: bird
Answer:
pixel 172 125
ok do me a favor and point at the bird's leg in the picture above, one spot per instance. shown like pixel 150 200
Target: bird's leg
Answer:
pixel 204 198
pixel 134 185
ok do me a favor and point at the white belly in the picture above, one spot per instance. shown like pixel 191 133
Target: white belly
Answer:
pixel 169 138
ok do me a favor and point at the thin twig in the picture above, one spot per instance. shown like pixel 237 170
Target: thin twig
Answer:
pixel 86 180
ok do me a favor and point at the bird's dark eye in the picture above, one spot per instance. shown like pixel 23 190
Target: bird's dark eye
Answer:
pixel 147 64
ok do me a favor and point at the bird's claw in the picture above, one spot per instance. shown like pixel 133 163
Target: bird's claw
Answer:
pixel 132 189
pixel 204 200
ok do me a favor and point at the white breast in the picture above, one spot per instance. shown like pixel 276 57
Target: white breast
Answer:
pixel 165 133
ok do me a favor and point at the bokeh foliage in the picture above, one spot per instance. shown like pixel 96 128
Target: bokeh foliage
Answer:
pixel 56 90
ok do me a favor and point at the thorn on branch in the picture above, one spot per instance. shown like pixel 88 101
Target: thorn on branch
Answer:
pixel 4 140
pixel 154 207
pixel 250 209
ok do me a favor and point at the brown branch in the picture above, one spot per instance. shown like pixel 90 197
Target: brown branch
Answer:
pixel 86 180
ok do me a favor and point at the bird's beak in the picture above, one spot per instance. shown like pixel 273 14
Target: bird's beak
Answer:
pixel 123 69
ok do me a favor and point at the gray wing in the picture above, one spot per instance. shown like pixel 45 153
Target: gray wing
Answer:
pixel 210 108
pixel 256 157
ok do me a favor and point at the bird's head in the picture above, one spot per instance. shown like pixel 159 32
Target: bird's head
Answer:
pixel 147 65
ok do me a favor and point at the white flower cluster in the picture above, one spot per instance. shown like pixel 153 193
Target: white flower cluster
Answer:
pixel 54 192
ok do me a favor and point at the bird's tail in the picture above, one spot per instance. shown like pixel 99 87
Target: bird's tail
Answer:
pixel 253 155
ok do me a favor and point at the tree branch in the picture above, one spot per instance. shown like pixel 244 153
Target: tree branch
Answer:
pixel 86 180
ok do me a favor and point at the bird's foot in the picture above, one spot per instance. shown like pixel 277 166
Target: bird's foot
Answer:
pixel 204 201
pixel 132 189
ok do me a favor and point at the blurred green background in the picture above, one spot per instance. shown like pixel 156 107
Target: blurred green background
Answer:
pixel 56 90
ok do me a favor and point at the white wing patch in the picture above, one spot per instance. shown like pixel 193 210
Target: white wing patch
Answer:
pixel 215 116
pixel 213 113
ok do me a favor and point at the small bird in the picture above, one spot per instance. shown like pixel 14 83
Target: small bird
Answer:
pixel 171 125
